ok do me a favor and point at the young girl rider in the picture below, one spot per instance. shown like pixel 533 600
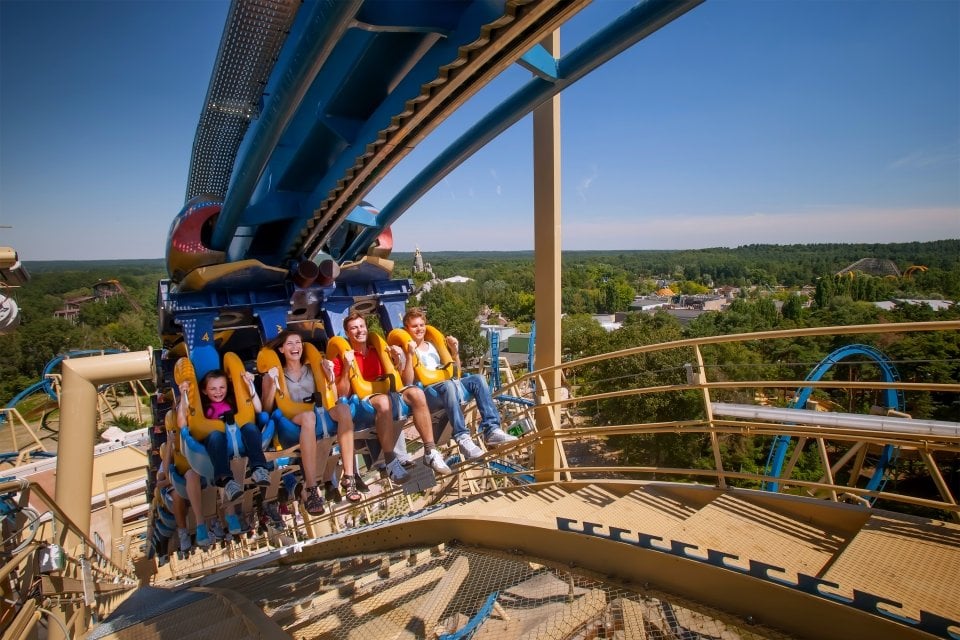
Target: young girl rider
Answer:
pixel 215 392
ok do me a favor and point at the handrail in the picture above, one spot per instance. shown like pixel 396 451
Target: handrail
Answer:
pixel 894 327
pixel 25 565
pixel 836 443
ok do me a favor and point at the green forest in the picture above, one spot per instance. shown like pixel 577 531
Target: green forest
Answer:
pixel 593 282
pixel 769 277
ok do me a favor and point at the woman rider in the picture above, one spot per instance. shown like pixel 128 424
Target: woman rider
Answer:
pixel 300 384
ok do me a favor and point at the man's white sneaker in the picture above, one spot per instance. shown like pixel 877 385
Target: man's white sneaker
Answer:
pixel 232 490
pixel 396 471
pixel 468 447
pixel 435 461
pixel 261 477
pixel 496 437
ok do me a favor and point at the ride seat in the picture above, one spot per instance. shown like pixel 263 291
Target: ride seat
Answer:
pixel 428 378
pixel 201 426
pixel 324 397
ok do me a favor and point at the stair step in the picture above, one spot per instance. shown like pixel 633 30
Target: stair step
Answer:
pixel 579 505
pixel 752 532
pixel 517 503
pixel 906 559
pixel 645 510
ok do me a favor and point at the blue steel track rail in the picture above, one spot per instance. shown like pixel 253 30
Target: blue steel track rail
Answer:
pixel 293 147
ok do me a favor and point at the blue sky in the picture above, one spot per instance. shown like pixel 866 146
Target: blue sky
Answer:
pixel 745 121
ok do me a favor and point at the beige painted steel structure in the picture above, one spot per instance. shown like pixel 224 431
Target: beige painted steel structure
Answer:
pixel 547 244
pixel 719 552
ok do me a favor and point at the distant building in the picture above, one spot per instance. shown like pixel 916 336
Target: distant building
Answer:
pixel 503 332
pixel 703 302
pixel 685 315
pixel 649 303
pixel 728 292
pixel 936 305
pixel 608 321
pixel 418 264
pixel 102 290
pixel 518 343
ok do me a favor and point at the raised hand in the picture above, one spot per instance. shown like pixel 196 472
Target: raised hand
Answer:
pixel 327 366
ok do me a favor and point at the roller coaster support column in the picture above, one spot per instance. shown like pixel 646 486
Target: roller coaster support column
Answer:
pixel 701 379
pixel 78 430
pixel 546 207
pixel 78 434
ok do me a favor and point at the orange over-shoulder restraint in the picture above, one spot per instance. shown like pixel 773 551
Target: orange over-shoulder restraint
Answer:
pixel 268 358
pixel 401 338
pixel 200 426
pixel 338 347
pixel 173 440
pixel 246 413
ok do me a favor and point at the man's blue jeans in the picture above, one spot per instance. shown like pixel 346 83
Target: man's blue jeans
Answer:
pixel 445 395
pixel 216 446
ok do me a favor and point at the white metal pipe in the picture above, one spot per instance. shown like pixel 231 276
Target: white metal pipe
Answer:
pixel 885 424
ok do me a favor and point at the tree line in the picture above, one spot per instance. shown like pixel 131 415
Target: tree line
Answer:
pixel 592 282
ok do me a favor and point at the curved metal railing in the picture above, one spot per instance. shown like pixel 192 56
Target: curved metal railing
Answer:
pixel 52 574
pixel 574 447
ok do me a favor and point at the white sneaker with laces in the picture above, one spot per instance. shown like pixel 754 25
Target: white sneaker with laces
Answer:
pixel 232 490
pixel 396 471
pixel 435 461
pixel 260 477
pixel 468 447
pixel 497 436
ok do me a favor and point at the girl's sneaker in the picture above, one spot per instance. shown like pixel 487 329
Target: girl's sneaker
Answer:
pixel 233 524
pixel 203 538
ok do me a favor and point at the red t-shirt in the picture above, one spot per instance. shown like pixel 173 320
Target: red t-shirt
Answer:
pixel 368 363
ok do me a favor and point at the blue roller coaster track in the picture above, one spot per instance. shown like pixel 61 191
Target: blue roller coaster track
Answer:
pixel 893 400
pixel 45 384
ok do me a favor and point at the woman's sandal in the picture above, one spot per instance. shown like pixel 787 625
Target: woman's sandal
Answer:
pixel 312 501
pixel 349 485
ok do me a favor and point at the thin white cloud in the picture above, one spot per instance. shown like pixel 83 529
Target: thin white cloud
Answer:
pixel 732 230
pixel 446 185
pixel 498 188
pixel 585 183
pixel 923 159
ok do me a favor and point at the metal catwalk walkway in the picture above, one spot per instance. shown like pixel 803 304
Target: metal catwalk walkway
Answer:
pixel 526 563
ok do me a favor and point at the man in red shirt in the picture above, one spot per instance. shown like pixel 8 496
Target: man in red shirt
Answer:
pixel 385 405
